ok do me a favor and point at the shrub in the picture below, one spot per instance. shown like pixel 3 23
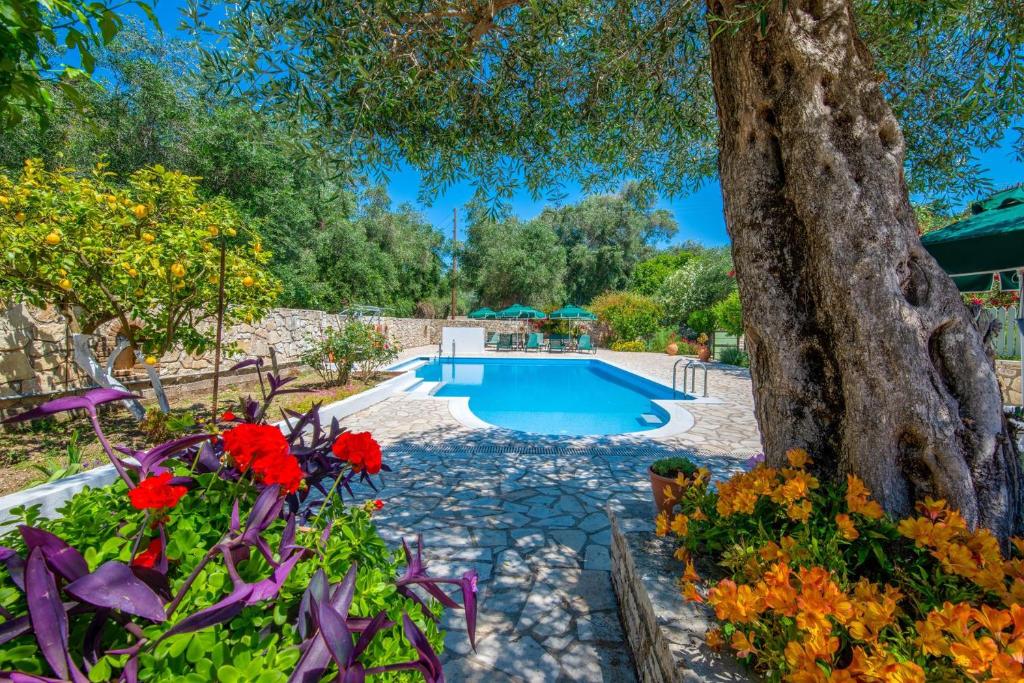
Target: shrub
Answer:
pixel 697 285
pixel 672 467
pixel 628 316
pixel 701 322
pixel 819 584
pixel 636 345
pixel 209 560
pixel 337 352
pixel 662 338
pixel 729 314
pixel 733 356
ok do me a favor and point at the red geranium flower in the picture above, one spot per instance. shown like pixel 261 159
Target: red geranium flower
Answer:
pixel 360 450
pixel 156 492
pixel 248 443
pixel 148 557
pixel 228 416
pixel 279 469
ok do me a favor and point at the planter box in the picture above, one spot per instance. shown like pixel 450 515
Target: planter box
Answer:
pixel 665 633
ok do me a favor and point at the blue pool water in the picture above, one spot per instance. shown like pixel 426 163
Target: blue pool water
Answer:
pixel 547 396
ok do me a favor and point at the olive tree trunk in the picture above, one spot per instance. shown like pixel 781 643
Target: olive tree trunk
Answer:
pixel 861 349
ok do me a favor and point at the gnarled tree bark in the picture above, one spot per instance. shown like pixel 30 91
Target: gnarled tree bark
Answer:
pixel 861 349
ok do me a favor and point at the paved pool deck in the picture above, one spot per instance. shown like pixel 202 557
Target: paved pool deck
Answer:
pixel 530 514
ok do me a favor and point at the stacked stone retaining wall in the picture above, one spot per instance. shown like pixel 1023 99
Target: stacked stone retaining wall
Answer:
pixel 36 358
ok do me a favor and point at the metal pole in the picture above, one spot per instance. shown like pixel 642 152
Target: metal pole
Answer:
pixel 455 258
pixel 220 329
pixel 1020 330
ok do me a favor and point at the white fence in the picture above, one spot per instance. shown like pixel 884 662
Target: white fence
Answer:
pixel 1007 344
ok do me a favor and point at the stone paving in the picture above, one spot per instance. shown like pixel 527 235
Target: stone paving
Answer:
pixel 530 514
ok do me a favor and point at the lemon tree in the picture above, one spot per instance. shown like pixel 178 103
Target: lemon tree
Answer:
pixel 143 250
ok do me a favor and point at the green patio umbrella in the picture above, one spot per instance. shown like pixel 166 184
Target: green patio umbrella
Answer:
pixel 572 313
pixel 483 314
pixel 519 312
pixel 989 242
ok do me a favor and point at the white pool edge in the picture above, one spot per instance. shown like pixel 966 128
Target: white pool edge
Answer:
pixel 679 420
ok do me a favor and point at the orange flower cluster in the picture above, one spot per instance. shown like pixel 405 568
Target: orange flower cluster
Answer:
pixel 822 611
pixel 807 623
pixel 972 554
pixel 985 642
pixel 789 487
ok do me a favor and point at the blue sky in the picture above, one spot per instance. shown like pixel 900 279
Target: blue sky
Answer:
pixel 699 215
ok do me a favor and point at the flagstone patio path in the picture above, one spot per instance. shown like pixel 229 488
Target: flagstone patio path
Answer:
pixel 530 514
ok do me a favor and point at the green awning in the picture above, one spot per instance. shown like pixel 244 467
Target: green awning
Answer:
pixel 572 313
pixel 1008 280
pixel 519 312
pixel 483 314
pixel 989 241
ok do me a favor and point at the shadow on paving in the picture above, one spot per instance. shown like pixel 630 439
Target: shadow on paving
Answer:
pixel 530 516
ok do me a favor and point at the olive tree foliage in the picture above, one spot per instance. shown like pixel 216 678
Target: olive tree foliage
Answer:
pixel 507 261
pixel 806 99
pixel 36 39
pixel 605 237
pixel 504 92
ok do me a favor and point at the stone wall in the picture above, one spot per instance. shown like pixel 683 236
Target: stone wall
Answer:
pixel 666 634
pixel 1008 372
pixel 35 354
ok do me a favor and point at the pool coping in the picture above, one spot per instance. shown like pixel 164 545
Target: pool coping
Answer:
pixel 679 420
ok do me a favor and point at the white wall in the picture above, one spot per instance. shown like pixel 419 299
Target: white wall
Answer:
pixel 469 341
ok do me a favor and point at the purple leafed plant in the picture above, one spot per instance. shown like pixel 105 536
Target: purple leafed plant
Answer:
pixel 59 588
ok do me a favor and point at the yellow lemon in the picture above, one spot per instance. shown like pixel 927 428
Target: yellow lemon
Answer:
pixel 4 199
pixel 126 201
pixel 65 284
pixel 248 281
pixel 214 230
pixel 178 270
pixel 132 272
pixel 140 210
pixel 150 360
pixel 53 238
pixel 20 216
pixel 147 237
pixel 231 232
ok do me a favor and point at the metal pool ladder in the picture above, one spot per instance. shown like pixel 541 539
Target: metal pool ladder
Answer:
pixel 692 366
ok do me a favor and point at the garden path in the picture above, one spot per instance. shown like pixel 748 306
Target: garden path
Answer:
pixel 531 516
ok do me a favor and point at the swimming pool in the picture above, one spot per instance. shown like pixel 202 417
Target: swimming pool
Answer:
pixel 552 396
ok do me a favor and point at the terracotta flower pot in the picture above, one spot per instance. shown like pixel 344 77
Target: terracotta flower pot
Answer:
pixel 658 484
pixel 672 349
pixel 703 353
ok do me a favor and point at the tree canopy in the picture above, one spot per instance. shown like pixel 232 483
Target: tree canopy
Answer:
pixel 333 243
pixel 604 237
pixel 594 90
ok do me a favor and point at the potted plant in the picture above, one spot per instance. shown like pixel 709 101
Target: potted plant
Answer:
pixel 703 351
pixel 666 485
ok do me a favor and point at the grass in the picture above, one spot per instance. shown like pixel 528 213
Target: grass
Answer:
pixel 43 443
